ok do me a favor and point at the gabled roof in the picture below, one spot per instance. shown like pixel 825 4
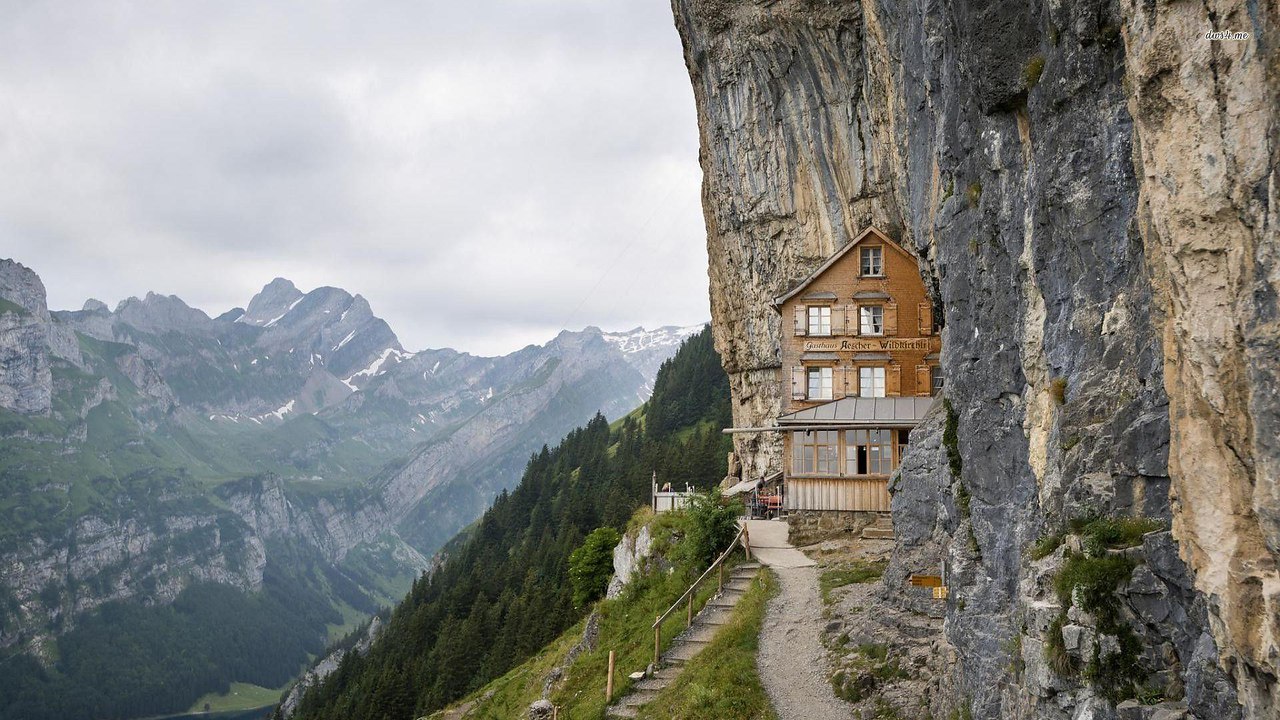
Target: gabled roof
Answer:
pixel 863 412
pixel 870 231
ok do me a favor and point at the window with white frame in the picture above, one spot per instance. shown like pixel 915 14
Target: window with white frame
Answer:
pixel 819 320
pixel 820 383
pixel 815 452
pixel 935 378
pixel 868 452
pixel 871 319
pixel 871 382
pixel 872 260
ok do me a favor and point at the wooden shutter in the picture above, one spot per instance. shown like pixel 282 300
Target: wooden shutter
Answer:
pixel 926 318
pixel 891 318
pixel 839 382
pixel 924 381
pixel 799 383
pixel 855 319
pixel 855 382
pixel 837 319
pixel 893 380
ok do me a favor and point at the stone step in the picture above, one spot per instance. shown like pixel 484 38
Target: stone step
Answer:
pixel 715 616
pixel 653 683
pixel 621 711
pixel 727 600
pixel 685 650
pixel 636 698
pixel 741 584
pixel 700 632
pixel 875 533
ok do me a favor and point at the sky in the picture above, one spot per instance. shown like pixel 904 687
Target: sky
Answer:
pixel 485 173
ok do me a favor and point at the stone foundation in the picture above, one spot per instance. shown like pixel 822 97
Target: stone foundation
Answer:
pixel 811 526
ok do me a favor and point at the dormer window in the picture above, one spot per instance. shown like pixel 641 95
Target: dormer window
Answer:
pixel 872 261
pixel 819 320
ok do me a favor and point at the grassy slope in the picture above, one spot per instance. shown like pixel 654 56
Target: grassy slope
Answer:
pixel 721 682
pixel 726 679
pixel 241 696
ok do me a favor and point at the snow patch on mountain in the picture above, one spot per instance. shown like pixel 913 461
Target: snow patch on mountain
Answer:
pixel 639 339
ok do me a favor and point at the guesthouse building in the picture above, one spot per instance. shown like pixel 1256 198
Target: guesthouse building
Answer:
pixel 860 369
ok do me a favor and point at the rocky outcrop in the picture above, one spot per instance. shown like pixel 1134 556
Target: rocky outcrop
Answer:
pixel 26 384
pixel 328 664
pixel 1090 189
pixel 1207 145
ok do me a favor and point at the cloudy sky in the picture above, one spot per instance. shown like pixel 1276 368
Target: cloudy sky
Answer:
pixel 486 173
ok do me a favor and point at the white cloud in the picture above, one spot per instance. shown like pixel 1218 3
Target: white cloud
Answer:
pixel 484 173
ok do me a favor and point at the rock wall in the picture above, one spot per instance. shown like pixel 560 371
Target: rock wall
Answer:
pixel 1036 157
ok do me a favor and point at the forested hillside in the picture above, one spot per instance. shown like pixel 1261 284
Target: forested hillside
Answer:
pixel 503 590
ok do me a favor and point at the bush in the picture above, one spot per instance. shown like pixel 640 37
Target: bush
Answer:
pixel 1033 69
pixel 713 524
pixel 591 565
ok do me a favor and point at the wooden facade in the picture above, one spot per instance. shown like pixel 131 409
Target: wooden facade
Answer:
pixel 861 326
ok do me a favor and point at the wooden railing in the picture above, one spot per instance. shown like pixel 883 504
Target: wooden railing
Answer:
pixel 745 538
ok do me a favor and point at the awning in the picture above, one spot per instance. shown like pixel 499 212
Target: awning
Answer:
pixel 871 295
pixel 819 296
pixel 744 486
pixel 863 412
pixel 819 357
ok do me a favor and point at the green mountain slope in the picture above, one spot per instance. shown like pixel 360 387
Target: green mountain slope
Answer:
pixel 503 590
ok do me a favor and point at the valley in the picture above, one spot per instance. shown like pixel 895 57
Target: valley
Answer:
pixel 289 463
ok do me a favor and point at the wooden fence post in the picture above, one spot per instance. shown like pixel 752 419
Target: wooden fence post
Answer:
pixel 720 579
pixel 690 623
pixel 608 686
pixel 746 542
pixel 657 639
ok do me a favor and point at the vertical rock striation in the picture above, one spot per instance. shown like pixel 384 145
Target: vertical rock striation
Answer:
pixel 1091 193
pixel 1207 136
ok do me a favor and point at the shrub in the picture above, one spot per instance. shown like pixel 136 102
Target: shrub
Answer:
pixel 1058 389
pixel 591 565
pixel 713 524
pixel 951 439
pixel 1045 546
pixel 974 193
pixel 1033 70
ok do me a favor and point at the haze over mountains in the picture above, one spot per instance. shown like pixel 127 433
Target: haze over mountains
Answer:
pixel 290 447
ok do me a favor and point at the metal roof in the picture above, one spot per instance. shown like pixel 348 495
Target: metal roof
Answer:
pixel 864 412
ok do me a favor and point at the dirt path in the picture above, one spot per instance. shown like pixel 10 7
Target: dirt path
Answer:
pixel 792 660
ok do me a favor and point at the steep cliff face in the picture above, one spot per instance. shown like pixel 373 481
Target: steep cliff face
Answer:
pixel 26 384
pixel 1091 191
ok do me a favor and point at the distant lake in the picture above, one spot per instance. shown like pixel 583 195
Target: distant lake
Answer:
pixel 257 714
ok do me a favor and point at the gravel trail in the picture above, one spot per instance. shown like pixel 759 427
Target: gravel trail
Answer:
pixel 792 660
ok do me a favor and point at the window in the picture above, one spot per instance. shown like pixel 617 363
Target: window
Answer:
pixel 872 319
pixel 820 383
pixel 868 452
pixel 935 379
pixel 871 382
pixel 819 320
pixel 815 452
pixel 872 261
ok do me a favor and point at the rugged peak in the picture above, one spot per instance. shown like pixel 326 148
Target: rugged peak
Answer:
pixel 274 300
pixel 25 380
pixel 160 312
pixel 95 306
pixel 21 286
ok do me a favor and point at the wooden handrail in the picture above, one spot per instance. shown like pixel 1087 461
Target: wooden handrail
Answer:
pixel 745 539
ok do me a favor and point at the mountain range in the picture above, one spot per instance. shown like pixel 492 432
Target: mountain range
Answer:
pixel 149 451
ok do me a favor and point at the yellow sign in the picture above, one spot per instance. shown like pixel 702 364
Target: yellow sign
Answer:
pixel 866 345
